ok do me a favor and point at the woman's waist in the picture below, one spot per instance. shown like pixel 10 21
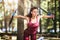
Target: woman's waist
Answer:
pixel 32 28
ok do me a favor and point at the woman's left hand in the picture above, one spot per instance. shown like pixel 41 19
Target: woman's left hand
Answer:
pixel 52 16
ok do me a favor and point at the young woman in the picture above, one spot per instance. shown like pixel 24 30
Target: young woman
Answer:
pixel 33 23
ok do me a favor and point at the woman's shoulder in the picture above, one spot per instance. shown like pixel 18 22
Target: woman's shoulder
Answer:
pixel 27 17
pixel 39 16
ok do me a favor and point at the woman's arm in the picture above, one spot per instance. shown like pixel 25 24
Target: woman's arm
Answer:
pixel 46 16
pixel 20 16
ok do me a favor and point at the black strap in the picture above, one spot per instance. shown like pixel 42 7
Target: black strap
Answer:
pixel 12 18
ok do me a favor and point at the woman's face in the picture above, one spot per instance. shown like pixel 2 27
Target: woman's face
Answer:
pixel 34 12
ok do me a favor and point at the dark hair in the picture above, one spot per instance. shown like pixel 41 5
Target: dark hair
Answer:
pixel 30 15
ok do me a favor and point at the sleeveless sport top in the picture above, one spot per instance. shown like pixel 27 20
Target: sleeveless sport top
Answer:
pixel 36 24
pixel 32 27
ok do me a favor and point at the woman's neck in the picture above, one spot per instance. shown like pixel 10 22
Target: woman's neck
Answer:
pixel 33 17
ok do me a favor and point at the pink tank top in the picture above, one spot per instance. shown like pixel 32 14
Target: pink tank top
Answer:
pixel 32 27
